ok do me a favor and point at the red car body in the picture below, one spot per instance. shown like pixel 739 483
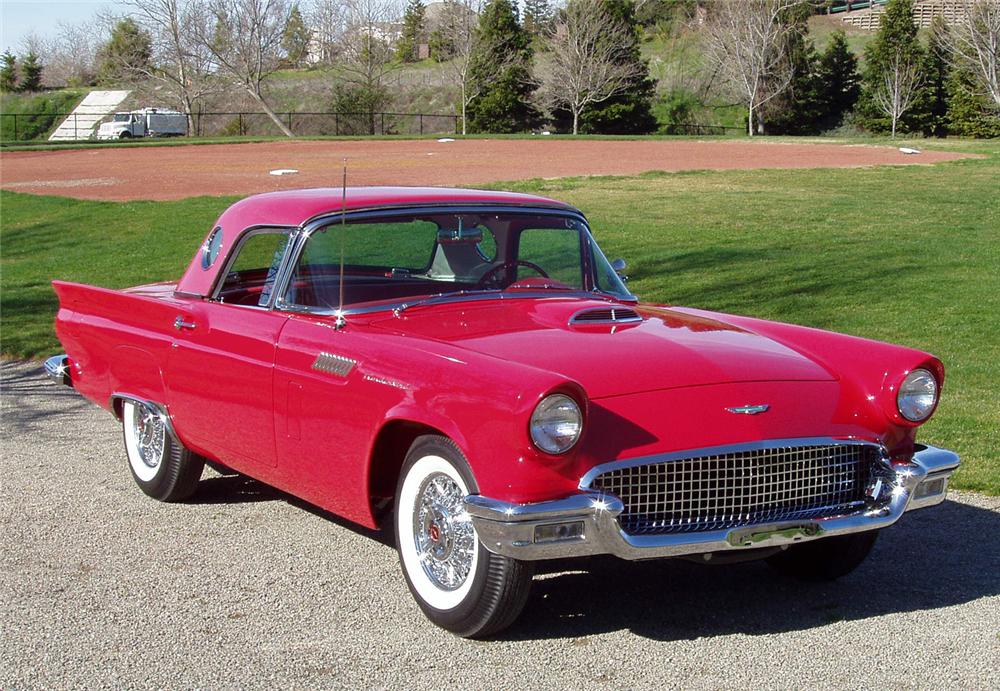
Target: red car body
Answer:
pixel 245 388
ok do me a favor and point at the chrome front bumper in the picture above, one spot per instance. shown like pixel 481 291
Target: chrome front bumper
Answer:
pixel 586 523
pixel 57 369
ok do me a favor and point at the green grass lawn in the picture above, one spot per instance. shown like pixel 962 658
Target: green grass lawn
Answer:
pixel 908 254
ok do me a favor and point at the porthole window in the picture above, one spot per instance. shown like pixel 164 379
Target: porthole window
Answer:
pixel 210 250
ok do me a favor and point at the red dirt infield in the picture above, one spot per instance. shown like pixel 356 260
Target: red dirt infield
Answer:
pixel 177 172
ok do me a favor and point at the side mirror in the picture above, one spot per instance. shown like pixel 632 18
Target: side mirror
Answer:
pixel 619 265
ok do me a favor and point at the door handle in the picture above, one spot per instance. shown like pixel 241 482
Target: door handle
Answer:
pixel 179 323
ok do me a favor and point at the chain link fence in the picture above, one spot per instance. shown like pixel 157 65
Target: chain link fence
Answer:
pixel 36 127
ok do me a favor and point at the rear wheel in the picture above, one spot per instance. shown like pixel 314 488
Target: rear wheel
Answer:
pixel 458 583
pixel 159 464
pixel 825 559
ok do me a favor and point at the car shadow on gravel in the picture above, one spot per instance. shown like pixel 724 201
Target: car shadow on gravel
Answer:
pixel 26 383
pixel 233 488
pixel 934 558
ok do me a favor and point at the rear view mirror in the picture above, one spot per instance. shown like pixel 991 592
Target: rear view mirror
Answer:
pixel 460 236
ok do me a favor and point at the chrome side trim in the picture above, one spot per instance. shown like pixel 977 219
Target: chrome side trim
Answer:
pixel 158 407
pixel 57 369
pixel 337 365
pixel 509 529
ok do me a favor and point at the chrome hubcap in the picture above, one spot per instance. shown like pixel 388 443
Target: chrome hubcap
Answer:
pixel 150 435
pixel 443 532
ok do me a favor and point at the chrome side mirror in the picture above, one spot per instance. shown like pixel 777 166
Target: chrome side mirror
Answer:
pixel 619 265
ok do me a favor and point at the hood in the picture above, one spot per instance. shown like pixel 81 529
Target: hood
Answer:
pixel 665 349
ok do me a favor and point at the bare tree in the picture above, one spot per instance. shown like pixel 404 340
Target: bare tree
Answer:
pixel 459 31
pixel 974 43
pixel 899 87
pixel 586 68
pixel 180 63
pixel 244 39
pixel 367 53
pixel 326 20
pixel 71 57
pixel 746 43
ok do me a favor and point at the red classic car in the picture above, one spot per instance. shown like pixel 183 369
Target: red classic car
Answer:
pixel 468 367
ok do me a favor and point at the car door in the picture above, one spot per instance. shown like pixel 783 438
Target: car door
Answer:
pixel 220 368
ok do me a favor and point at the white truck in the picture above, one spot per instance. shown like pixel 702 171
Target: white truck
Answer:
pixel 148 122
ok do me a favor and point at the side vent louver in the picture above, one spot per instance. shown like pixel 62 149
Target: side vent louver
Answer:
pixel 605 315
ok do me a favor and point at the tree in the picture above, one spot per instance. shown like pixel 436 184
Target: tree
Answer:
pixel 8 72
pixel 127 52
pixel 31 72
pixel 839 80
pixel 245 42
pixel 746 44
pixel 413 31
pixel 936 71
pixel 456 42
pixel 970 113
pixel 295 39
pixel 896 93
pixel 800 108
pixel 629 111
pixel 538 17
pixel 586 69
pixel 975 45
pixel 180 64
pixel 500 73
pixel 367 57
pixel 326 22
pixel 893 72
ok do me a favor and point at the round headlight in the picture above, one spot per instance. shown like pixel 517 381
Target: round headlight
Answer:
pixel 917 395
pixel 556 424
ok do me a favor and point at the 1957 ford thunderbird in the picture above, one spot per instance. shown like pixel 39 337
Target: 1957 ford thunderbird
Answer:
pixel 470 369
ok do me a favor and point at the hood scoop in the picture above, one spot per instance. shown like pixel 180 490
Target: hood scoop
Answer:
pixel 605 315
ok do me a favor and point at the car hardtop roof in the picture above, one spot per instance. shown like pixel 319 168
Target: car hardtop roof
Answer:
pixel 295 207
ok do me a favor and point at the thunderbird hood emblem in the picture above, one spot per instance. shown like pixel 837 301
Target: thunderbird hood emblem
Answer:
pixel 749 409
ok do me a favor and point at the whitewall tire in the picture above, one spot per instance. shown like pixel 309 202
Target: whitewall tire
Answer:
pixel 457 582
pixel 159 463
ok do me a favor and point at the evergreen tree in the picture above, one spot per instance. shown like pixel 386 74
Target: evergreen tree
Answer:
pixel 937 69
pixel 538 17
pixel 296 37
pixel 413 31
pixel 800 108
pixel 969 113
pixel 839 80
pixel 896 39
pixel 126 54
pixel 501 73
pixel 8 72
pixel 31 72
pixel 631 111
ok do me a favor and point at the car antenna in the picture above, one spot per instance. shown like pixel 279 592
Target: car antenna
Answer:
pixel 340 321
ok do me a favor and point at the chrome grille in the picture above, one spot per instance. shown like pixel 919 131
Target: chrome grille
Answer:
pixel 744 487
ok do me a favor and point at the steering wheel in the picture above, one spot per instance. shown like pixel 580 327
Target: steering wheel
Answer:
pixel 490 279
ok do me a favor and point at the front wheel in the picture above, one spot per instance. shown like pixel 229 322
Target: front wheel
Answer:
pixel 159 463
pixel 826 559
pixel 459 584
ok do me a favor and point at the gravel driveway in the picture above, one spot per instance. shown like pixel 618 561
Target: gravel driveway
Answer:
pixel 244 586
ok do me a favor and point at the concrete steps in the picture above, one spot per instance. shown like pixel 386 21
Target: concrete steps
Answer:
pixel 924 12
pixel 92 109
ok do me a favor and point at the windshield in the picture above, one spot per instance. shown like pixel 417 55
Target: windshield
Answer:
pixel 122 117
pixel 401 258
